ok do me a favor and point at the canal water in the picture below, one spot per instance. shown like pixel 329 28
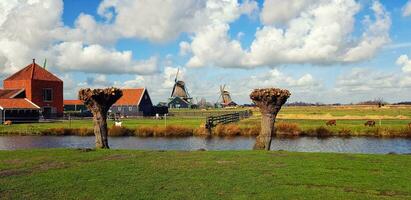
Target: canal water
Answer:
pixel 300 144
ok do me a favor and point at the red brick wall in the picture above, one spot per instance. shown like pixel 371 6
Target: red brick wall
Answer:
pixel 37 94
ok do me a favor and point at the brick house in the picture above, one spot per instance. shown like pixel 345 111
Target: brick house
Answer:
pixel 38 86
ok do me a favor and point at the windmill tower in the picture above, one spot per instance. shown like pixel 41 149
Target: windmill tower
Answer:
pixel 180 89
pixel 225 97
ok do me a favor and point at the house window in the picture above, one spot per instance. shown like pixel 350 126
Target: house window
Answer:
pixel 130 108
pixel 119 108
pixel 47 94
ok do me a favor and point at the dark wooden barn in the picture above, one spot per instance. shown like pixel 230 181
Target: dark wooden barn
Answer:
pixel 134 102
pixel 178 102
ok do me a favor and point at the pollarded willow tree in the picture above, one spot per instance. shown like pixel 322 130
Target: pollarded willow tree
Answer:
pixel 99 101
pixel 269 100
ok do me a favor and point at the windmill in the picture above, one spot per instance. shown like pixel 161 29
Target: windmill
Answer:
pixel 225 97
pixel 180 90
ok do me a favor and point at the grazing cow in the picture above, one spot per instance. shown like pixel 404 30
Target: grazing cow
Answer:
pixel 331 123
pixel 8 122
pixel 370 123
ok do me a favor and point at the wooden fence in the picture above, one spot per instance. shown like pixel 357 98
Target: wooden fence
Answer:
pixel 202 114
pixel 212 121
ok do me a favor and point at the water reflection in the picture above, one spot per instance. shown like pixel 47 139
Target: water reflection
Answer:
pixel 301 144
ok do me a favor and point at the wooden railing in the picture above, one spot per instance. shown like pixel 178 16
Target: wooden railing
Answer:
pixel 200 114
pixel 212 121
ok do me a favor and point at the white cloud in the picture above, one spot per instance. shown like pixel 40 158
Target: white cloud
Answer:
pixel 365 79
pixel 184 48
pixel 406 10
pixel 276 78
pixel 280 11
pixel 405 63
pixel 33 29
pixel 211 46
pixel 317 33
pixel 376 35
pixel 161 21
pixel 155 20
pixel 26 29
pixel 73 56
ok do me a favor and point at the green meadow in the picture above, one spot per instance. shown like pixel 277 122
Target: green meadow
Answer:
pixel 128 174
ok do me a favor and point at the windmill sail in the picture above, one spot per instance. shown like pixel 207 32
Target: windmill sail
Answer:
pixel 179 89
pixel 225 97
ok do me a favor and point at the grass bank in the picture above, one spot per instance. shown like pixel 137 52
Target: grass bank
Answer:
pixel 126 174
pixel 283 129
pixel 391 121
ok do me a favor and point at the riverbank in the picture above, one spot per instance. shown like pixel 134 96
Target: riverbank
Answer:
pixel 391 121
pixel 283 129
pixel 126 174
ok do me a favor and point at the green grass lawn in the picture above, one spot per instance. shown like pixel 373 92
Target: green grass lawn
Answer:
pixel 348 110
pixel 88 123
pixel 127 174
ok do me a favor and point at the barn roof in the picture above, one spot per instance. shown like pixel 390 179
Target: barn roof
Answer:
pixel 17 104
pixel 73 102
pixel 33 72
pixel 131 96
pixel 5 94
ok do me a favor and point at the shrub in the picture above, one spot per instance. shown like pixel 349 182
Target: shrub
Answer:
pixel 287 129
pixel 178 131
pixel 84 132
pixel 311 132
pixel 119 131
pixel 57 131
pixel 227 130
pixel 317 132
pixel 323 132
pixel 144 131
pixel 404 132
pixel 251 131
pixel 202 132
pixel 344 132
pixel 175 131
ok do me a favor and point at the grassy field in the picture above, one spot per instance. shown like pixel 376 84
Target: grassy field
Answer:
pixel 126 174
pixel 350 118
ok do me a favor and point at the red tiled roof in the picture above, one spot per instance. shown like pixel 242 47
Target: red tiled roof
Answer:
pixel 73 102
pixel 33 72
pixel 5 94
pixel 131 96
pixel 17 104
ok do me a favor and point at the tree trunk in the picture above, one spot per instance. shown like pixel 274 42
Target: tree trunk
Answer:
pixel 99 101
pixel 100 130
pixel 263 141
pixel 269 100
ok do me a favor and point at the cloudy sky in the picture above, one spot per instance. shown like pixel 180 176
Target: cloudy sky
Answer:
pixel 322 50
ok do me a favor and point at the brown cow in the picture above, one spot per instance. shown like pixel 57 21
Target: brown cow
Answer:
pixel 8 122
pixel 370 123
pixel 331 123
pixel 409 125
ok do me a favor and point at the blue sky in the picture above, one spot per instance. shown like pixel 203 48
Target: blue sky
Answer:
pixel 330 51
